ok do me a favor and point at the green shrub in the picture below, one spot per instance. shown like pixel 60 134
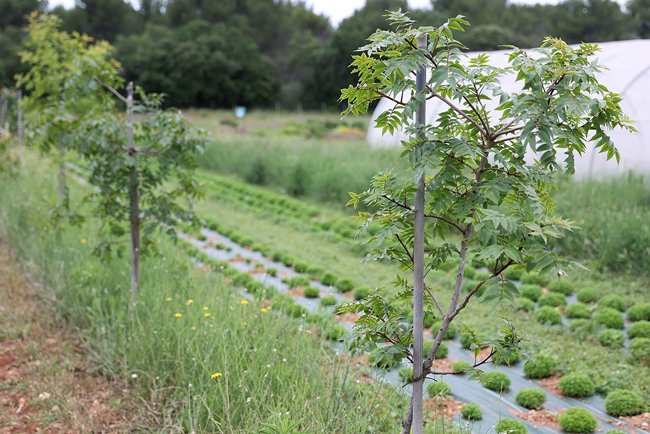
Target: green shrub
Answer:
pixel 639 312
pixel 512 274
pixel 406 374
pixel 277 256
pixel 616 431
pixel 328 300
pixel 297 311
pixel 272 272
pixel 624 403
pixel 548 315
pixel 447 266
pixel 531 398
pixel 481 275
pixel 611 338
pixel 578 420
pixel 506 359
pixel 438 388
pixel 530 291
pixel 312 292
pixel 587 295
pixel 640 329
pixel 246 241
pixel 609 318
pixel 242 279
pixel 469 272
pixel 344 284
pixel 541 367
pixel 442 352
pixel 288 259
pixel 361 292
pixel 334 332
pixel 466 340
pixel 296 281
pixel 525 304
pixel 257 247
pixel 532 278
pixel 578 310
pixel 472 412
pixel 282 301
pixel 576 385
pixel 255 287
pixel 613 301
pixel 510 426
pixel 582 327
pixel 462 366
pixel 552 299
pixel 300 266
pixel 315 271
pixel 451 332
pixel 497 381
pixel 562 286
pixel 201 237
pixel 428 321
pixel 639 350
pixel 329 278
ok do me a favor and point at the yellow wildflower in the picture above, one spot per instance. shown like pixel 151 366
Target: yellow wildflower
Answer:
pixel 178 315
pixel 83 241
pixel 168 299
pixel 190 301
pixel 216 375
pixel 44 190
pixel 243 323
pixel 263 310
pixel 205 308
pixel 244 302
pixel 207 314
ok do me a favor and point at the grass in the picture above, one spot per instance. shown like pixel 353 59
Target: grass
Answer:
pixel 172 351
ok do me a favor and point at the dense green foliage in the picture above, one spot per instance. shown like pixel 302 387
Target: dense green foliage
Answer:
pixel 640 311
pixel 548 315
pixel 578 310
pixel 552 299
pixel 624 403
pixel 640 351
pixel 461 366
pixel 640 329
pixel 531 398
pixel 541 367
pixel 472 412
pixel 613 301
pixel 609 318
pixel 497 381
pixel 512 426
pixel 533 292
pixel 611 338
pixel 576 385
pixel 438 388
pixel 587 295
pixel 361 292
pixel 578 420
pixel 525 304
pixel 442 352
pixel 562 286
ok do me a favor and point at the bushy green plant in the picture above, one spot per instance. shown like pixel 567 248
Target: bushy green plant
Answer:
pixel 578 310
pixel 472 412
pixel 582 327
pixel 611 338
pixel 296 281
pixel 576 385
pixel 512 274
pixel 587 295
pixel 639 351
pixel 329 278
pixel 242 279
pixel 481 275
pixel 578 420
pixel 562 286
pixel 315 271
pixel 442 352
pixel 612 301
pixel 609 318
pixel 301 266
pixel 552 299
pixel 246 241
pixel 451 332
pixel 510 426
pixel 288 259
pixel 406 374
pixel 428 321
pixel 531 291
pixel 272 272
pixel 470 272
pixel 282 301
pixel 497 381
pixel 328 300
pixel 531 398
pixel 640 329
pixel 532 279
pixel 277 256
pixel 541 367
pixel 548 315
pixel 624 403
pixel 462 366
pixel 438 388
pixel 361 292
pixel 297 311
pixel 506 359
pixel 334 332
pixel 639 312
pixel 312 292
pixel 466 340
pixel 344 284
pixel 525 304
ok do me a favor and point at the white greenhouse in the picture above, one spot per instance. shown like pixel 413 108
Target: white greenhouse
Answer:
pixel 628 74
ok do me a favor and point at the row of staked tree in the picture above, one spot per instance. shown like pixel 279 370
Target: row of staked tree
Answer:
pixel 220 53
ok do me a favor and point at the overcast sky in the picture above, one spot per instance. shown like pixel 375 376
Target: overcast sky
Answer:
pixel 336 10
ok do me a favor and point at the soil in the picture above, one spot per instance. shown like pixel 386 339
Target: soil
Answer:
pixel 550 385
pixel 47 384
pixel 347 317
pixel 641 421
pixel 485 352
pixel 448 406
pixel 443 365
pixel 298 291
pixel 538 418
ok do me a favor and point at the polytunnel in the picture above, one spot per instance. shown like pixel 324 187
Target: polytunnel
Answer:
pixel 627 73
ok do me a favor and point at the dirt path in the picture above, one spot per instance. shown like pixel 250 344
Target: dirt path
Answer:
pixel 47 384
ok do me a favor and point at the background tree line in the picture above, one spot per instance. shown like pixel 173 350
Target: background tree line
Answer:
pixel 220 53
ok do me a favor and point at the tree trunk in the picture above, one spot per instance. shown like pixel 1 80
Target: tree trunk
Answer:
pixel 61 157
pixel 20 128
pixel 3 111
pixel 135 206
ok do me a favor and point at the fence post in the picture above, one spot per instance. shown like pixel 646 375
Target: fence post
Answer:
pixel 418 262
pixel 20 128
pixel 135 208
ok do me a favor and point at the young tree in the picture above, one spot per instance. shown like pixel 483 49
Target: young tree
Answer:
pixel 471 175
